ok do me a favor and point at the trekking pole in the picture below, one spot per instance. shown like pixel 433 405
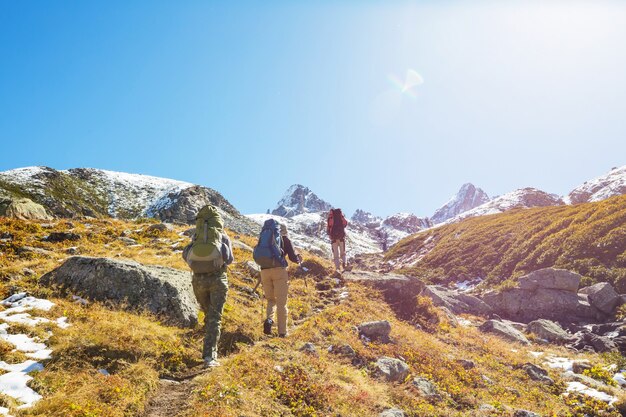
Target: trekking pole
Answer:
pixel 304 269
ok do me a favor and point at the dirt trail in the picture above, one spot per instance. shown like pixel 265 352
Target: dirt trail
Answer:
pixel 171 399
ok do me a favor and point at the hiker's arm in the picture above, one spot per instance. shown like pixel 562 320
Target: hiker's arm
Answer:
pixel 227 251
pixel 293 257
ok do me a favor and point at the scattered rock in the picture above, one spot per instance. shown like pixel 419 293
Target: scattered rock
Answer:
pixel 504 330
pixel 602 296
pixel 549 330
pixel 537 374
pixel 189 232
pixel 309 348
pixel 466 364
pixel 345 350
pixel 393 370
pixel 163 291
pixel 375 330
pixel 426 388
pixel 253 269
pixel 579 366
pixel 240 245
pixel 29 249
pixel 160 227
pixel 525 413
pixel 28 272
pixel 587 341
pixel 450 316
pixel 392 412
pixel 127 240
pixel 126 233
pixel 56 237
pixel 74 250
pixel 456 301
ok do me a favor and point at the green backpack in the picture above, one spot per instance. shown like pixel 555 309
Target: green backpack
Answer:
pixel 204 255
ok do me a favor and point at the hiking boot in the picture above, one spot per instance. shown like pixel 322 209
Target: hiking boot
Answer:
pixel 211 363
pixel 267 326
pixel 282 335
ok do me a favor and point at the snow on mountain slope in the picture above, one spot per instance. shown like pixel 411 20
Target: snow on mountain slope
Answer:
pixel 126 192
pixel 609 185
pixel 299 200
pixel 308 231
pixel 467 198
pixel 522 198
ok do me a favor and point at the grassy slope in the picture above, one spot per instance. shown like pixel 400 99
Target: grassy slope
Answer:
pixel 587 238
pixel 136 348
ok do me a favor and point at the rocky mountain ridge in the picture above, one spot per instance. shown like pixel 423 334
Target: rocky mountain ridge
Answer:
pixel 88 192
pixel 467 198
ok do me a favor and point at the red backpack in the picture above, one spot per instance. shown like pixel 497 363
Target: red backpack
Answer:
pixel 336 225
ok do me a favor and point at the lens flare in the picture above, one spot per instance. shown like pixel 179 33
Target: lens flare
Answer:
pixel 407 86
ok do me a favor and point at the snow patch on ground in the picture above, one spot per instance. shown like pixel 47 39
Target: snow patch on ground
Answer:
pixel 14 383
pixel 577 387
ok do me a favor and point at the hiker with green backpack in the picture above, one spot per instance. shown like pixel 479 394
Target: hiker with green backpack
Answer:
pixel 208 256
pixel 269 253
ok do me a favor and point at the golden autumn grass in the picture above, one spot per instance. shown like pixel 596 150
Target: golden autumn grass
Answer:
pixel 586 238
pixel 260 376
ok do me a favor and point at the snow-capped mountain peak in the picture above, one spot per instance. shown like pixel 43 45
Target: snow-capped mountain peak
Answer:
pixel 366 218
pixel 611 184
pixel 299 200
pixel 467 198
pixel 521 198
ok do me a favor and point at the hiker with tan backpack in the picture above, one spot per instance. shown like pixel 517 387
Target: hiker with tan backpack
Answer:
pixel 208 256
pixel 270 254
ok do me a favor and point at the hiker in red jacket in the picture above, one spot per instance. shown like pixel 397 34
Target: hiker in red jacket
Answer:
pixel 336 229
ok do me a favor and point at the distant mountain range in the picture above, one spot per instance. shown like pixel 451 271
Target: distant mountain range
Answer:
pixel 87 192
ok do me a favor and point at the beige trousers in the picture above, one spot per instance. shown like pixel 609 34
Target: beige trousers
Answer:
pixel 339 251
pixel 276 287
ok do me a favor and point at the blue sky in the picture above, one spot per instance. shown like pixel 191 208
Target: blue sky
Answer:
pixel 249 98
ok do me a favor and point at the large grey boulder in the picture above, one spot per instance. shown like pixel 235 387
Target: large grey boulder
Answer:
pixel 375 330
pixel 456 301
pixel 552 278
pixel 548 330
pixel 537 374
pixel 602 296
pixel 426 388
pixel 24 209
pixel 393 370
pixel 163 291
pixel 555 298
pixel 504 330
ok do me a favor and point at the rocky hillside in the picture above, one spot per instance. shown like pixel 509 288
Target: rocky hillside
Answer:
pixel 467 198
pixel 587 238
pixel 86 192
pixel 606 186
pixel 362 345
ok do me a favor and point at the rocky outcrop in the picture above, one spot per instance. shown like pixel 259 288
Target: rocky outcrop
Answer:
pixel 399 291
pixel 602 296
pixel 544 294
pixel 392 412
pixel 549 330
pixel 537 374
pixel 606 186
pixel 504 330
pixel 24 209
pixel 467 198
pixel 456 301
pixel 163 291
